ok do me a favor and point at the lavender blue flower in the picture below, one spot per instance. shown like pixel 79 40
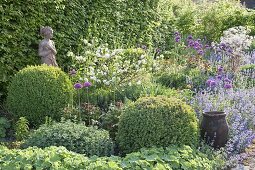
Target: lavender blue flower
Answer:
pixel 220 69
pixel 207 46
pixel 228 86
pixel 200 52
pixel 219 77
pixel 190 37
pixel 176 33
pixel 227 80
pixel 222 46
pixel 240 116
pixel 213 83
pixel 208 82
pixel 177 38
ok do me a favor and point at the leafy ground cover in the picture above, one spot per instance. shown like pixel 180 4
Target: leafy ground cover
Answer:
pixel 60 158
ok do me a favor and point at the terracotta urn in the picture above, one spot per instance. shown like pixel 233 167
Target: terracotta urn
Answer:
pixel 214 128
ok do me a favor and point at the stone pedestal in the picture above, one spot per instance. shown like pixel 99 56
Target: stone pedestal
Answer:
pixel 249 3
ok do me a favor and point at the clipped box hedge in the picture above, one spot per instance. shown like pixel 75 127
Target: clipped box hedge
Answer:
pixel 157 121
pixel 39 91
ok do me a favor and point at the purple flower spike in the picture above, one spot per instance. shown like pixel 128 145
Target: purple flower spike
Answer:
pixel 177 38
pixel 213 83
pixel 222 46
pixel 227 80
pixel 228 86
pixel 218 49
pixel 207 46
pixel 229 50
pixel 87 84
pixel 190 37
pixel 191 43
pixel 220 69
pixel 77 85
pixel 196 47
pixel 219 77
pixel 208 82
pixel 177 33
pixel 200 52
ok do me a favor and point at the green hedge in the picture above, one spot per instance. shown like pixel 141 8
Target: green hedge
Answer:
pixel 39 91
pixel 120 23
pixel 4 125
pixel 115 22
pixel 156 121
pixel 170 158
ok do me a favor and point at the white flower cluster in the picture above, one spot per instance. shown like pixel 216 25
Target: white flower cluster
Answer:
pixel 238 39
pixel 113 67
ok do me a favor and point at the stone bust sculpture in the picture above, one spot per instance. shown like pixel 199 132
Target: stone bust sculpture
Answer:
pixel 47 50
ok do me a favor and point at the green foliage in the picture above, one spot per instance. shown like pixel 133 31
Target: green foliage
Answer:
pixel 222 15
pixel 131 92
pixel 116 22
pixel 120 23
pixel 157 121
pixel 103 98
pixel 247 77
pixel 170 158
pixel 247 67
pixel 173 80
pixel 220 155
pixel 196 78
pixel 21 129
pixel 39 91
pixel 75 137
pixel 4 124
pixel 192 78
pixel 90 114
pixel 110 119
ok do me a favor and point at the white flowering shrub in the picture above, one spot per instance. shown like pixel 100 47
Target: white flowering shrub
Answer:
pixel 232 49
pixel 238 39
pixel 105 67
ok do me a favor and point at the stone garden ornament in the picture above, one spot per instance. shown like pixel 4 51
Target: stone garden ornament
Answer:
pixel 47 50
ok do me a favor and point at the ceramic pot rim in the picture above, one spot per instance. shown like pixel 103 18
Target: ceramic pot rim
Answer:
pixel 214 113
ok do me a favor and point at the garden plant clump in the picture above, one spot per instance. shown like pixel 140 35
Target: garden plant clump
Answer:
pixel 75 137
pixel 172 157
pixel 157 121
pixel 39 91
pixel 133 82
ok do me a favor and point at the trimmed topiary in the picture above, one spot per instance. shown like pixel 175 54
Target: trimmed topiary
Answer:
pixel 157 121
pixel 75 137
pixel 39 91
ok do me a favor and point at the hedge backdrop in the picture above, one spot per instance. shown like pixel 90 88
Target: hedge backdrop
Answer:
pixel 120 23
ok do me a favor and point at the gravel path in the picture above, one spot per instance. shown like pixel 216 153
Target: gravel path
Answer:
pixel 249 162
